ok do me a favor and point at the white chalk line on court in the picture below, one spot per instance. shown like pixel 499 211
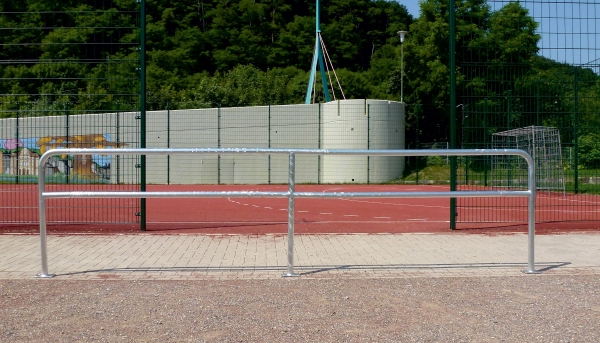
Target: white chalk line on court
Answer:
pixel 596 203
pixel 393 204
pixel 520 209
pixel 539 208
pixel 323 213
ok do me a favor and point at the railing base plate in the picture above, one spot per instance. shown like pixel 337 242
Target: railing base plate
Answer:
pixel 44 276
pixel 290 275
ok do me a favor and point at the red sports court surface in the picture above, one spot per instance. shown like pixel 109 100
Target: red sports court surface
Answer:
pixel 255 216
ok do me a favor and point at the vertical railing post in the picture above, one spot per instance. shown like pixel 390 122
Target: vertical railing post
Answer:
pixel 531 217
pixel 42 209
pixel 291 189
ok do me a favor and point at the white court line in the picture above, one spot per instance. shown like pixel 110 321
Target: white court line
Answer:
pixel 325 213
pixel 302 211
pixel 571 200
pixel 394 204
pixel 350 215
pixel 382 217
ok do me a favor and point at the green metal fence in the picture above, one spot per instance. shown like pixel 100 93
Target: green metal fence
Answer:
pixel 355 124
pixel 62 62
pixel 527 75
pixel 532 83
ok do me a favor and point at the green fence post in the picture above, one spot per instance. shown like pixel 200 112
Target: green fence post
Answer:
pixel 417 158
pixel 508 101
pixel 67 170
pixel 117 159
pixel 219 143
pixel 17 146
pixel 269 146
pixel 576 131
pixel 143 111
pixel 452 111
pixel 168 142
pixel 368 143
pixel 537 103
pixel 485 135
pixel 466 159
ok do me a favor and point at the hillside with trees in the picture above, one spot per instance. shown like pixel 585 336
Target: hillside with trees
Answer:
pixel 233 53
pixel 206 53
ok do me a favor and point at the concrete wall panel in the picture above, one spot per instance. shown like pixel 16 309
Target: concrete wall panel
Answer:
pixel 345 124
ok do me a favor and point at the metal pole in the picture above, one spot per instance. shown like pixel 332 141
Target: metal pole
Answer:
pixel 118 144
pixel 42 209
pixel 417 160
pixel 17 147
pixel 531 217
pixel 368 143
pixel 576 133
pixel 452 42
pixel 485 144
pixel 219 144
pixel 168 143
pixel 291 187
pixel 402 72
pixel 269 146
pixel 143 111
pixel 67 144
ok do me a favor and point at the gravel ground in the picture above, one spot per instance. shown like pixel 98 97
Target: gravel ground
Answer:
pixel 542 308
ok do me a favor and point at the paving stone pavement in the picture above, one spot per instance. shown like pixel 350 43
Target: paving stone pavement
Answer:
pixel 192 257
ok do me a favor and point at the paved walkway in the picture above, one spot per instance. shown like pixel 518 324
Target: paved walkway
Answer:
pixel 188 257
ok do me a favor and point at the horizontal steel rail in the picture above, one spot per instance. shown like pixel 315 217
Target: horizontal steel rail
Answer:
pixel 291 194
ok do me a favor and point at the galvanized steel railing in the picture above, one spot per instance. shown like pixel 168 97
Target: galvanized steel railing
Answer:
pixel 291 194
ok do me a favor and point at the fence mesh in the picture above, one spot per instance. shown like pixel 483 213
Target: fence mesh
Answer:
pixel 69 77
pixel 356 124
pixel 539 67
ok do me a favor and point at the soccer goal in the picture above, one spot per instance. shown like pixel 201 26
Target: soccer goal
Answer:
pixel 543 144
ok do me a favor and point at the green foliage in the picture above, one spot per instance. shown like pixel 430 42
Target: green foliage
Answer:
pixel 589 151
pixel 243 52
pixel 437 174
pixel 81 49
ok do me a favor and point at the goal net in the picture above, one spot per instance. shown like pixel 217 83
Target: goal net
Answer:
pixel 543 144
